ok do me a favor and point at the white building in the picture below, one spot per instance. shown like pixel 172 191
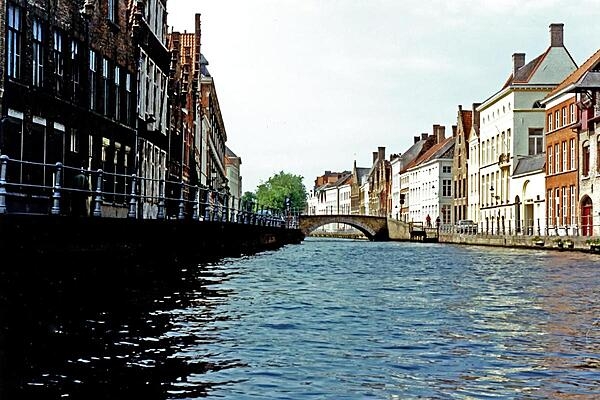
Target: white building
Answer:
pixel 512 126
pixel 430 177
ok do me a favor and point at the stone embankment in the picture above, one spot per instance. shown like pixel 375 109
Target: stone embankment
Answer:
pixel 400 231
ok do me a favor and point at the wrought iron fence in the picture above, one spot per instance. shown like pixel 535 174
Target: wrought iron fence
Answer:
pixel 38 188
pixel 501 226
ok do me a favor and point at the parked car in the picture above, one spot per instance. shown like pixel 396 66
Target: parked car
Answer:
pixel 466 226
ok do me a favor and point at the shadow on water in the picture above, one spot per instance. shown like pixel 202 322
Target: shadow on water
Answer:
pixel 100 330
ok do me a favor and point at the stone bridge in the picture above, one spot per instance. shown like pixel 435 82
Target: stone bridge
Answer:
pixel 374 228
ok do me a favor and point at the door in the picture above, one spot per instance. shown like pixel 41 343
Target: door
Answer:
pixel 517 215
pixel 587 227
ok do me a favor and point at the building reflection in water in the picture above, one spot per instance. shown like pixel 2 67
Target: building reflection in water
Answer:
pixel 572 335
pixel 102 331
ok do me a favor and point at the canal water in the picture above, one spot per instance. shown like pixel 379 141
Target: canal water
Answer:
pixel 325 319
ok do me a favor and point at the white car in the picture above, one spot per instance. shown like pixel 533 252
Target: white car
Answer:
pixel 466 226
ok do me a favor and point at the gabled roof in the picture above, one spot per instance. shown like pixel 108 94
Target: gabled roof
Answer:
pixel 590 64
pixel 466 120
pixel 203 64
pixel 529 164
pixel 361 172
pixel 445 149
pixel 413 153
pixel 229 153
pixel 524 74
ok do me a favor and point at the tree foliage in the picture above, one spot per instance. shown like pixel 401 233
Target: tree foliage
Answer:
pixel 273 193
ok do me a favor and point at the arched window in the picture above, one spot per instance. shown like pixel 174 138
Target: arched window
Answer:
pixel 585 158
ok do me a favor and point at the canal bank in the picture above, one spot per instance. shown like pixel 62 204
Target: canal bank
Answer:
pixel 72 238
pixel 400 231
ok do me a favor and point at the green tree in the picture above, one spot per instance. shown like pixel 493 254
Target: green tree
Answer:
pixel 278 188
pixel 248 198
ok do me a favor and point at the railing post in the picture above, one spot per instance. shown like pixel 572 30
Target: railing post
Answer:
pixel 181 214
pixel 539 231
pixel 225 208
pixel 55 210
pixel 206 206
pixel 503 226
pixel 196 201
pixel 98 200
pixel 132 201
pixel 3 166
pixel 161 200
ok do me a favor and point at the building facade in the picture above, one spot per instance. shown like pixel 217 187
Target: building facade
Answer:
pixel 69 95
pixel 460 170
pixel 512 125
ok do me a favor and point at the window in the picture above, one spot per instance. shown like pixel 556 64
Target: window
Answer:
pixel 549 122
pixel 564 116
pixel 550 163
pixel 573 205
pixel 113 10
pixel 75 68
pixel 550 209
pixel 58 61
pixel 536 140
pixel 557 119
pixel 128 98
pixel 105 86
pixel 572 164
pixel 585 159
pixel 556 159
pixel 446 187
pixel 446 169
pixel 564 156
pixel 37 54
pixel 598 155
pixel 14 42
pixel 557 205
pixel 508 140
pixel 117 93
pixel 74 141
pixel 572 112
pixel 93 77
pixel 565 205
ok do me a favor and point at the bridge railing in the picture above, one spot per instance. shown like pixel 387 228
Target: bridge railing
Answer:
pixel 40 188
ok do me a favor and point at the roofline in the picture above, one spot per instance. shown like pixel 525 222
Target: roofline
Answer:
pixel 511 88
pixel 558 94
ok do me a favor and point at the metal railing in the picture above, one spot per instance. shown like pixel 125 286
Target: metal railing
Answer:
pixel 500 226
pixel 37 188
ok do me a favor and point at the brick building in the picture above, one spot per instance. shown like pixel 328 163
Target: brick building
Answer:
pixel 69 91
pixel 585 83
pixel 460 171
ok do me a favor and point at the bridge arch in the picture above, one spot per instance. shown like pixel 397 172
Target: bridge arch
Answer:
pixel 374 228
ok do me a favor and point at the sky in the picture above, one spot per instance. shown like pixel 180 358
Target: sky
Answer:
pixel 308 86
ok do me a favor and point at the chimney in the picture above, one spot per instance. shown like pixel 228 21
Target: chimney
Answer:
pixel 375 154
pixel 556 35
pixel 518 62
pixel 439 133
pixel 416 138
pixel 475 117
pixel 381 153
pixel 454 128
pixel 424 136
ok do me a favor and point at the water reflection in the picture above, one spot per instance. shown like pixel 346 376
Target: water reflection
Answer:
pixel 324 319
pixel 93 332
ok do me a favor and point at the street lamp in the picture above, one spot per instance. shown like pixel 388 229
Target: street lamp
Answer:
pixel 213 178
pixel 493 195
